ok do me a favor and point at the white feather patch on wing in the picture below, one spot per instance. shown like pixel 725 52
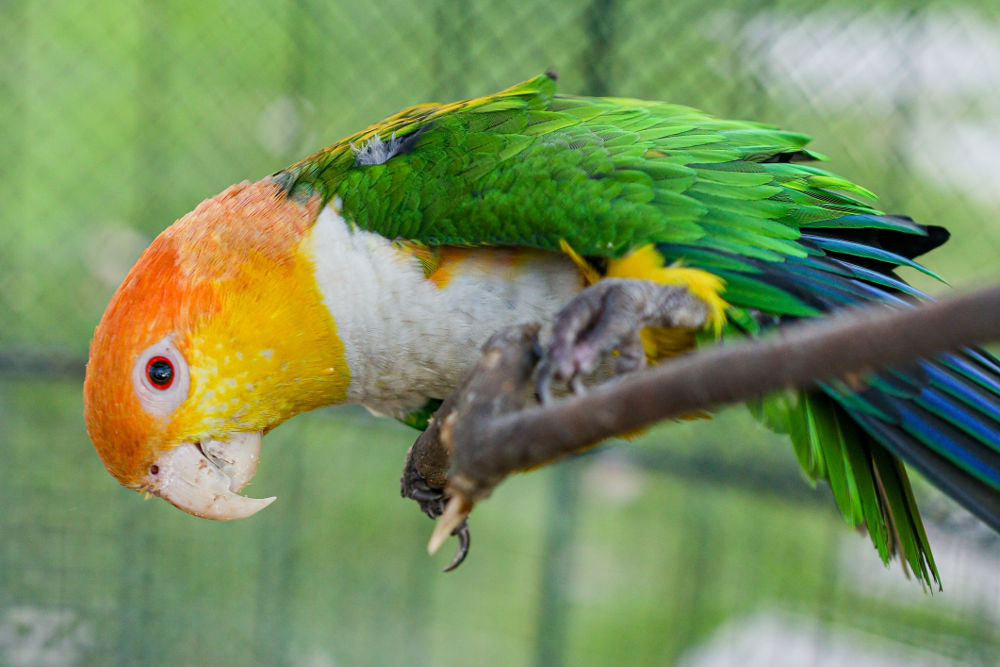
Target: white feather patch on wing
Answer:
pixel 376 151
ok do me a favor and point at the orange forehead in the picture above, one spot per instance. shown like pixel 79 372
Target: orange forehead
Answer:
pixel 258 218
pixel 178 282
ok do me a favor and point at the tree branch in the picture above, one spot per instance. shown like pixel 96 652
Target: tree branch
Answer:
pixel 486 433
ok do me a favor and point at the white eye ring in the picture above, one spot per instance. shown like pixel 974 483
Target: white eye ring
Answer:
pixel 163 398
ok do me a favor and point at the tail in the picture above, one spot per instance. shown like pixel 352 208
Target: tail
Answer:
pixel 941 415
pixel 869 484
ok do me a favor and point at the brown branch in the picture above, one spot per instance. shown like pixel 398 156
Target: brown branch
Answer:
pixel 486 434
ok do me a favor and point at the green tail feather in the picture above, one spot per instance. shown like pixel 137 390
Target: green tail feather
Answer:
pixel 869 485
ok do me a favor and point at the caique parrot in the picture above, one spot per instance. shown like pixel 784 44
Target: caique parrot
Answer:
pixel 371 272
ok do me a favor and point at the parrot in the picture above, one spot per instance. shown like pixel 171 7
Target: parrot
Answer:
pixel 372 271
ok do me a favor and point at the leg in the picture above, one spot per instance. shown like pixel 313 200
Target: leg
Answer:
pixel 503 375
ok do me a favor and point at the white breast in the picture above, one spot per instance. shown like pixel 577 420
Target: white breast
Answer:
pixel 406 339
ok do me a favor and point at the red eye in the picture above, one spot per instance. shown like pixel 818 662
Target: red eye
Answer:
pixel 160 372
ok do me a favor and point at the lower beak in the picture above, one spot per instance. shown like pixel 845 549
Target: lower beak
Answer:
pixel 205 478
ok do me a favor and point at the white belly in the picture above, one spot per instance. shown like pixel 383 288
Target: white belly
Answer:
pixel 406 338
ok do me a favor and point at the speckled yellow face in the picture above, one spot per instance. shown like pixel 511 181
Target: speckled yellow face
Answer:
pixel 270 337
pixel 218 329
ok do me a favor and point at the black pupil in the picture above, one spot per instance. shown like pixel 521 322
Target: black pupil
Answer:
pixel 161 372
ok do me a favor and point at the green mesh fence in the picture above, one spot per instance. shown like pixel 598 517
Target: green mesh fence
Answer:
pixel 697 544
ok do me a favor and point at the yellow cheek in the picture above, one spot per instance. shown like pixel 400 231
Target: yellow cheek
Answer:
pixel 269 352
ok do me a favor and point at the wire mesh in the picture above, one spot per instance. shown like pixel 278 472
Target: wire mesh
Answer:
pixel 696 544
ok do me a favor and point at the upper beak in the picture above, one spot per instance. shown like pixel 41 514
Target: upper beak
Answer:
pixel 205 478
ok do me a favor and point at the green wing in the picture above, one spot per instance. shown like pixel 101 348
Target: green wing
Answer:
pixel 529 167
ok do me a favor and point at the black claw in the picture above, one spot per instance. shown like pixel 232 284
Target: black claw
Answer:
pixel 543 385
pixel 536 347
pixel 413 486
pixel 425 495
pixel 462 533
pixel 432 502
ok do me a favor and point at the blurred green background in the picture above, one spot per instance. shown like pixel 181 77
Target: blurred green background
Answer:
pixel 698 544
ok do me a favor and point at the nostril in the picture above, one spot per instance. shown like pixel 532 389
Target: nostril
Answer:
pixel 211 454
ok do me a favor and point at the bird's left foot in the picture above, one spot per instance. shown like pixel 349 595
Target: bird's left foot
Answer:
pixel 432 502
pixel 606 318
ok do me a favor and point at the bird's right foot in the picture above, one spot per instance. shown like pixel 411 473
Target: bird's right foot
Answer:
pixel 606 319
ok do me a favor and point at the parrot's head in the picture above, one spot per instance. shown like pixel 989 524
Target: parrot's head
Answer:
pixel 216 335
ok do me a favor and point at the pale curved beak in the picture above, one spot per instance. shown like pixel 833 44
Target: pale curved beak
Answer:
pixel 205 478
